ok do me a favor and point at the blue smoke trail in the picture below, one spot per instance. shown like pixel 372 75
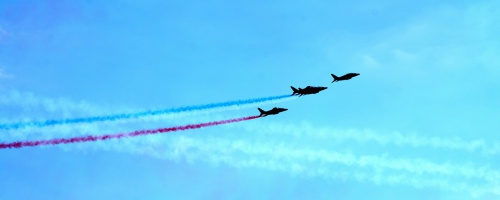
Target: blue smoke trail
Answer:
pixel 20 125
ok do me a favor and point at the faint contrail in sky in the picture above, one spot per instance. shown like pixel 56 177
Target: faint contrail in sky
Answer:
pixel 297 130
pixel 120 135
pixel 395 138
pixel 276 151
pixel 9 126
pixel 326 163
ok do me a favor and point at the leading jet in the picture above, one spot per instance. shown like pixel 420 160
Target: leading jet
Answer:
pixel 307 90
pixel 344 77
pixel 273 111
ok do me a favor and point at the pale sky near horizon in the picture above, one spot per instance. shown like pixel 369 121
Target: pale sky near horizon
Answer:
pixel 420 122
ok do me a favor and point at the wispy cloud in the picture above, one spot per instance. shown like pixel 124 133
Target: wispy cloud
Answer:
pixel 3 33
pixel 4 74
pixel 444 39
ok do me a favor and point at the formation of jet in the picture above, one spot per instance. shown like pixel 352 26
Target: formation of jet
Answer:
pixel 344 77
pixel 307 90
pixel 273 111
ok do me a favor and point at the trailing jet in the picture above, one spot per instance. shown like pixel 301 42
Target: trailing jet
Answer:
pixel 273 111
pixel 307 90
pixel 343 78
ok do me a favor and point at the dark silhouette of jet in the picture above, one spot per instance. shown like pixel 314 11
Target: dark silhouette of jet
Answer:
pixel 273 111
pixel 343 78
pixel 307 90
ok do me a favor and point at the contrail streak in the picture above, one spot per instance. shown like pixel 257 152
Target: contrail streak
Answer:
pixel 120 135
pixel 487 148
pixel 476 180
pixel 138 114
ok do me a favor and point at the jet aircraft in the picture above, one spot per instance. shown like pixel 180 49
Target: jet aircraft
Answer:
pixel 307 90
pixel 343 78
pixel 273 111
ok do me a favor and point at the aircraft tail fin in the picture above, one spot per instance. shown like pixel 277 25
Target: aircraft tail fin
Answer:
pixel 335 78
pixel 295 91
pixel 262 112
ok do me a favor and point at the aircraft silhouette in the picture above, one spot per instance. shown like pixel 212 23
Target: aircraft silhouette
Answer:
pixel 273 111
pixel 307 90
pixel 343 78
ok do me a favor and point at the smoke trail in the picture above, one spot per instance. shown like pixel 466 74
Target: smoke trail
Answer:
pixel 485 147
pixel 138 114
pixel 306 130
pixel 419 173
pixel 287 152
pixel 121 135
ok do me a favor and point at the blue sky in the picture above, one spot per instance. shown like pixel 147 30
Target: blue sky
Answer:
pixel 420 122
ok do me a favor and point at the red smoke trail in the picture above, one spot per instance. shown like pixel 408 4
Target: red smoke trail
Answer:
pixel 120 135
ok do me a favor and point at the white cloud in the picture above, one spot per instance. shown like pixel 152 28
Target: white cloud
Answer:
pixel 3 33
pixel 447 38
pixel 369 61
pixel 4 74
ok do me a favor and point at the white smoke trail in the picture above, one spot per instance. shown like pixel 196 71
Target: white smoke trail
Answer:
pixel 63 108
pixel 67 108
pixel 366 135
pixel 278 156
pixel 419 173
